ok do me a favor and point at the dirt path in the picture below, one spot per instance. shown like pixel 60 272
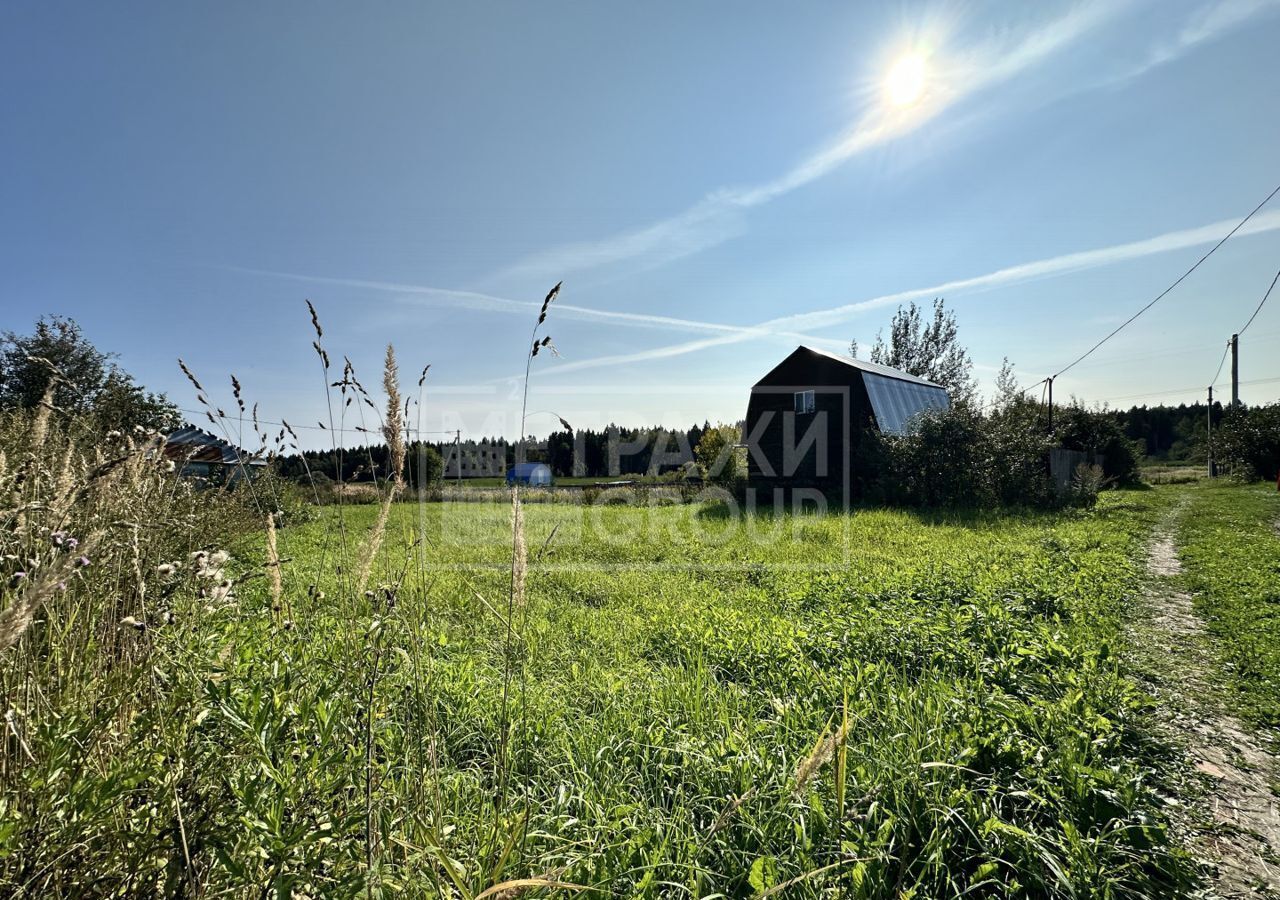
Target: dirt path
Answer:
pixel 1236 820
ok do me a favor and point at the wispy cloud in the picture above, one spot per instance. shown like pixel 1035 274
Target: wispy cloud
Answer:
pixel 718 216
pixel 1206 24
pixel 480 302
pixel 1011 275
pixel 959 74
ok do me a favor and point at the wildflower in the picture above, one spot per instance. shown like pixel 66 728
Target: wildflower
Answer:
pixel 82 562
pixel 169 466
pixel 72 543
pixel 16 578
pixel 131 622
pixel 219 557
pixel 62 585
pixel 57 538
pixel 165 570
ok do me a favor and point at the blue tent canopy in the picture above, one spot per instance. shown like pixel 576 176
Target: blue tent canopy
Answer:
pixel 529 473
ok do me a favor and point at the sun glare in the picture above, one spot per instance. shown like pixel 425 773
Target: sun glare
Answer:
pixel 905 83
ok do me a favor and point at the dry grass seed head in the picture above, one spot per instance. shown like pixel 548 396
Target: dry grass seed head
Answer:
pixel 393 431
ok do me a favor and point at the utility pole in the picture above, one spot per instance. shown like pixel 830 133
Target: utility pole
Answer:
pixel 1051 404
pixel 1235 370
pixel 1208 421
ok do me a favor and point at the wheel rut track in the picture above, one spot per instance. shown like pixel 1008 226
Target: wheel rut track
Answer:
pixel 1238 828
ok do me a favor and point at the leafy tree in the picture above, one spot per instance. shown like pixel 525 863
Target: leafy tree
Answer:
pixel 86 382
pixel 716 454
pixel 929 350
pixel 27 365
pixel 1098 431
pixel 1008 391
pixel 1249 441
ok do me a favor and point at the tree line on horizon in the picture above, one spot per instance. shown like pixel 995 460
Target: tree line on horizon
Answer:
pixel 89 384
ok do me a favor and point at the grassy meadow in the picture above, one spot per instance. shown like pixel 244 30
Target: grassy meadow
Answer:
pixel 1230 540
pixel 665 701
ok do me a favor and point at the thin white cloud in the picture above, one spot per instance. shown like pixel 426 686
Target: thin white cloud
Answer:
pixel 1206 24
pixel 479 302
pixel 1024 272
pixel 718 217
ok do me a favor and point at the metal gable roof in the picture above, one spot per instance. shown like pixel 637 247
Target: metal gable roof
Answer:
pixel 895 402
pixel 895 396
pixel 873 368
pixel 198 445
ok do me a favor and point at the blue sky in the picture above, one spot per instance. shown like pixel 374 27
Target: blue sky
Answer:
pixel 714 183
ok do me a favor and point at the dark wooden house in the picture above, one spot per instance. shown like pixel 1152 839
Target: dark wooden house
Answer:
pixel 806 417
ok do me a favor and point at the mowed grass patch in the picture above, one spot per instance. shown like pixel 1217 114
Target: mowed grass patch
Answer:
pixel 1230 549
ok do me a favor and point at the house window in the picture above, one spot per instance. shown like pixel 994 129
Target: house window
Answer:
pixel 804 402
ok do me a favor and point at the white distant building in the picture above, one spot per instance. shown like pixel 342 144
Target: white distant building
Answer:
pixel 475 459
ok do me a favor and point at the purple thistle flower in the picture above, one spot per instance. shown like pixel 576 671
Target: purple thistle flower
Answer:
pixel 82 562
pixel 72 543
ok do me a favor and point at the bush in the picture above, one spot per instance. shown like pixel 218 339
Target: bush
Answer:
pixel 719 458
pixel 1019 444
pixel 1078 428
pixel 944 460
pixel 1248 442
pixel 959 457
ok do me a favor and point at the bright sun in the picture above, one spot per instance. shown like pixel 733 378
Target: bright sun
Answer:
pixel 904 84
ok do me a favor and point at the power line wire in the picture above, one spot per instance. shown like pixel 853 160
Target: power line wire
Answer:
pixel 1260 305
pixel 248 421
pixel 1187 390
pixel 1213 382
pixel 1179 281
pixel 1225 350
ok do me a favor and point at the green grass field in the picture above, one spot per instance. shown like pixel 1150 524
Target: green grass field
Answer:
pixel 1231 548
pixel 669 673
pixel 683 703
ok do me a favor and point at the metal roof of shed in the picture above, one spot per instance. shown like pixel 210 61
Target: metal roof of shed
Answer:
pixel 895 402
pixel 895 396
pixel 873 368
pixel 198 445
